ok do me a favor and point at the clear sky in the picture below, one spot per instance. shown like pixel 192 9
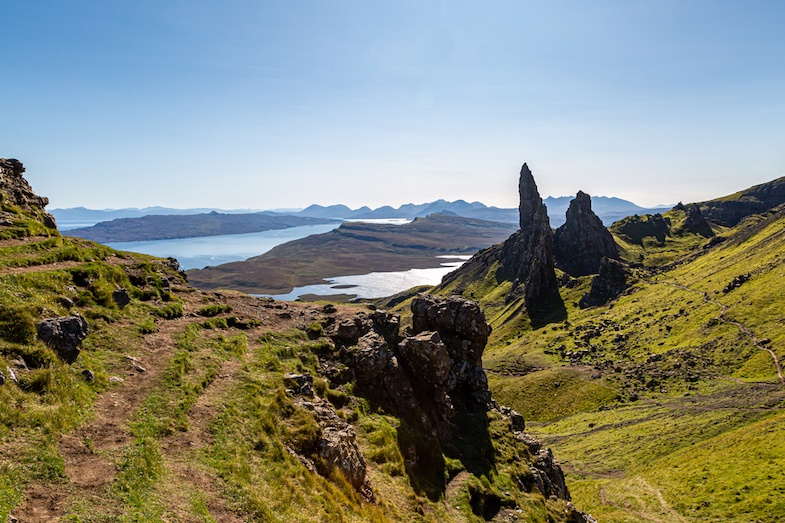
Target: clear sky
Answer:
pixel 262 104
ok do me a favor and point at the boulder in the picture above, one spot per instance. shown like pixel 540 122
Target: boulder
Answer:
pixel 607 285
pixel 583 241
pixel 337 447
pixel 121 297
pixel 64 335
pixel 548 475
pixel 428 359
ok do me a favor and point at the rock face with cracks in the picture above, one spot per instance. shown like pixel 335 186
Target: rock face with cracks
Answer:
pixel 419 374
pixel 19 193
pixel 583 241
pixel 607 285
pixel 64 335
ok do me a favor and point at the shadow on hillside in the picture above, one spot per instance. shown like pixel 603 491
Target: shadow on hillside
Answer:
pixel 550 310
pixel 469 443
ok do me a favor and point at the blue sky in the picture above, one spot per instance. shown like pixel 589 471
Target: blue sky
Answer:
pixel 257 104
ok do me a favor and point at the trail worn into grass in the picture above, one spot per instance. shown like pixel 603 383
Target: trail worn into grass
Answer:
pixel 88 452
pixel 91 453
pixel 743 328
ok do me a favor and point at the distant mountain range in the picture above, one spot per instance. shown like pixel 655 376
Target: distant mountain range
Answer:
pixel 609 209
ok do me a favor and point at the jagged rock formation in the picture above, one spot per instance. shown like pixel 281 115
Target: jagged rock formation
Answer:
pixel 64 335
pixel 607 285
pixel 17 192
pixel 583 240
pixel 526 257
pixel 420 374
pixel 695 222
pixel 335 446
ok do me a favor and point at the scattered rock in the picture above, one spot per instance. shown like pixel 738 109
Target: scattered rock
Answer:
pixel 737 282
pixel 607 285
pixel 64 335
pixel 548 475
pixel 11 375
pixel 583 241
pixel 329 308
pixel 337 447
pixel 88 375
pixel 300 384
pixel 2 378
pixel 121 297
pixel 517 422
pixel 115 379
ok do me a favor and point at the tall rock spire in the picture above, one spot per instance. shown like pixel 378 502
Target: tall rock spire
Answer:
pixel 527 256
pixel 530 201
pixel 583 241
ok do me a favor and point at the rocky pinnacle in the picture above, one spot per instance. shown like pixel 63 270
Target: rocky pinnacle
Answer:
pixel 583 240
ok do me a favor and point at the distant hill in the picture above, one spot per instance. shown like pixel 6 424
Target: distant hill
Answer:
pixel 82 214
pixel 730 210
pixel 163 227
pixel 354 248
pixel 609 210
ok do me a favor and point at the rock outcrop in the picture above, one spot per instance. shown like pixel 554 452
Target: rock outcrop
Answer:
pixel 607 285
pixel 418 375
pixel 527 256
pixel 695 222
pixel 64 335
pixel 17 192
pixel 583 241
pixel 730 210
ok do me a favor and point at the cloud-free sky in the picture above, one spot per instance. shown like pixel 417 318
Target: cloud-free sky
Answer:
pixel 263 104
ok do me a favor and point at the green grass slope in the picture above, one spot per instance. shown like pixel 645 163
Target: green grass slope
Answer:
pixel 664 405
pixel 176 408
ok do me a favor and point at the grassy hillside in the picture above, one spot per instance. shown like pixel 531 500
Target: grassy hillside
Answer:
pixel 177 407
pixel 666 403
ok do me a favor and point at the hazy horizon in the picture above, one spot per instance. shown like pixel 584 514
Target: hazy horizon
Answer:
pixel 267 105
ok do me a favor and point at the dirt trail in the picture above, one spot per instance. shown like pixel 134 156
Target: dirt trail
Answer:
pixel 743 328
pixel 57 266
pixel 89 452
pixel 451 493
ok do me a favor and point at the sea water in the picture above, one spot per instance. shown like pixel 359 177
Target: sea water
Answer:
pixel 377 284
pixel 200 252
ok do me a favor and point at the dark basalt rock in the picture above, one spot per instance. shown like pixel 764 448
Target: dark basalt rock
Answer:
pixel 583 241
pixel 64 335
pixel 417 375
pixel 121 297
pixel 527 256
pixel 607 285
pixel 696 223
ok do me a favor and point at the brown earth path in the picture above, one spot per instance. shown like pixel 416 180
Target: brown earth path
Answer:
pixel 89 452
